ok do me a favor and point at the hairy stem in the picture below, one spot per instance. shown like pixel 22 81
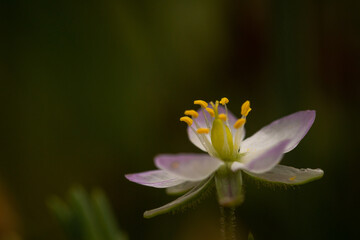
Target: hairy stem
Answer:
pixel 228 223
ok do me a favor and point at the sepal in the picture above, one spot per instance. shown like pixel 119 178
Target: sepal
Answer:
pixel 181 202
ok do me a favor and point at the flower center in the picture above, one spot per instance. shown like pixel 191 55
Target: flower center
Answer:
pixel 214 132
pixel 221 137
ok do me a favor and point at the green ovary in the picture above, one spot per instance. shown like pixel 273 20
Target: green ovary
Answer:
pixel 222 145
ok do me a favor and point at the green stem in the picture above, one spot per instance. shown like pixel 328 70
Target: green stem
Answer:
pixel 228 223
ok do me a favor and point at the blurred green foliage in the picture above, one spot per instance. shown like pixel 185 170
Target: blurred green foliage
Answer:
pixel 86 217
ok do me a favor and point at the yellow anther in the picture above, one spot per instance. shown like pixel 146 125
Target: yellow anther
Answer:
pixel 192 113
pixel 292 178
pixel 188 120
pixel 245 108
pixel 202 130
pixel 224 101
pixel 239 123
pixel 201 103
pixel 210 111
pixel 222 116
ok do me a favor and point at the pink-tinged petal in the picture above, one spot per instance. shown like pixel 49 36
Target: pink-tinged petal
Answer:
pixel 293 127
pixel 192 167
pixel 202 124
pixel 155 178
pixel 289 175
pixel 261 161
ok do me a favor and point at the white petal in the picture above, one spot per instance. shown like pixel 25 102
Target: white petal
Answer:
pixel 293 127
pixel 261 161
pixel 193 167
pixel 289 175
pixel 155 178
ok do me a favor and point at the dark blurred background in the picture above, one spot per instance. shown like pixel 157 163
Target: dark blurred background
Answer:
pixel 91 90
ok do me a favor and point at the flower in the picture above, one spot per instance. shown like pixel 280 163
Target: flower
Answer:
pixel 216 131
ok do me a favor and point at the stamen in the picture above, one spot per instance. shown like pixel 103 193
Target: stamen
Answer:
pixel 188 120
pixel 202 130
pixel 211 149
pixel 204 141
pixel 192 113
pixel 202 103
pixel 245 108
pixel 239 123
pixel 222 117
pixel 224 101
pixel 210 111
pixel 239 134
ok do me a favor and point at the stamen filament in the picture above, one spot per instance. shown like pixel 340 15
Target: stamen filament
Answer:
pixel 215 107
pixel 206 120
pixel 211 148
pixel 238 137
pixel 203 105
pixel 226 112
pixel 204 140
pixel 239 126
pixel 223 102
pixel 196 124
